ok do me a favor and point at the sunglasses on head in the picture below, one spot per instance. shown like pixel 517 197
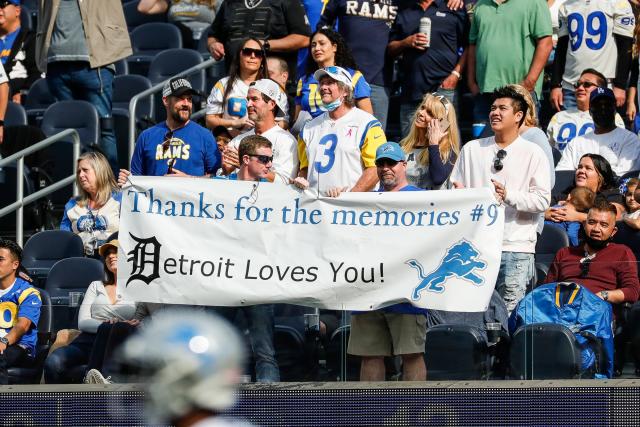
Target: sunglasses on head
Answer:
pixel 262 158
pixel 586 85
pixel 584 267
pixel 165 146
pixel 497 162
pixel 248 51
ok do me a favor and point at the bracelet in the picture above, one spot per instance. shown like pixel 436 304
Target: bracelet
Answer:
pixel 457 74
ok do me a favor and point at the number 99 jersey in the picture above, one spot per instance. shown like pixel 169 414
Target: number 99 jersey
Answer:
pixel 337 151
pixel 590 25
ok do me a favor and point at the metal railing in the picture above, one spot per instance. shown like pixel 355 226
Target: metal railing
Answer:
pixel 18 157
pixel 150 92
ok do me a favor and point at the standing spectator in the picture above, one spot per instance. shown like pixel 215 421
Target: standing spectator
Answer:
pixel 192 17
pixel 429 63
pixel 280 23
pixel 265 102
pixel 568 123
pixel 17 50
pixel 399 329
pixel 21 304
pixel 518 172
pixel 433 143
pixel 592 34
pixel 4 101
pixel 77 44
pixel 337 149
pixel 227 102
pixel 327 50
pixel 620 147
pixel 278 70
pixel 509 42
pixel 177 146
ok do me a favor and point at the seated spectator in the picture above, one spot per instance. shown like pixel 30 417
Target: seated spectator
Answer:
pixel 569 123
pixel 192 17
pixel 433 143
pixel 95 213
pixel 619 146
pixel 227 102
pixel 328 49
pixel 278 70
pixel 581 199
pixel 21 304
pixel 632 199
pixel 594 173
pixel 101 308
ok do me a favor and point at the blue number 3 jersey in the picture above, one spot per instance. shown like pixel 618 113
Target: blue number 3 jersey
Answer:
pixel 22 300
pixel 590 25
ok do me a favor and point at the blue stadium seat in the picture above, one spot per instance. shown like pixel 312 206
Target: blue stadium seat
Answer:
pixel 150 39
pixel 122 67
pixel 456 352
pixel 135 19
pixel 564 181
pixel 15 115
pixel 38 99
pixel 45 248
pixel 549 243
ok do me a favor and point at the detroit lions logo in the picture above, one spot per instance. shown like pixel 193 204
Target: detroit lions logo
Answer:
pixel 460 261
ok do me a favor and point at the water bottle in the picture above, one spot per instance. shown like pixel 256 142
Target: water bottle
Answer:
pixel 425 28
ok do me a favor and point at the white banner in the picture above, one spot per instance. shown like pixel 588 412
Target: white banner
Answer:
pixel 228 243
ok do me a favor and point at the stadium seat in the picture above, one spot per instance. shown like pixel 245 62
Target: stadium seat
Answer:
pixel 38 99
pixel 135 19
pixel 46 248
pixel 26 22
pixel 8 183
pixel 456 352
pixel 544 351
pixel 628 236
pixel 564 181
pixel 148 40
pixel 549 243
pixel 15 115
pixel 296 347
pixel 122 67
pixel 70 275
pixel 557 155
pixel 33 373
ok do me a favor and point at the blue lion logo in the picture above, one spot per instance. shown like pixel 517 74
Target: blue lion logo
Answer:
pixel 460 261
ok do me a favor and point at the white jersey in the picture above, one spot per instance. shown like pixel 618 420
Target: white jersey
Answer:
pixel 620 147
pixel 566 125
pixel 336 152
pixel 236 105
pixel 285 151
pixel 590 25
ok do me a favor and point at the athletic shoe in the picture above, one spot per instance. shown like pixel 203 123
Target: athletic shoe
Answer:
pixel 95 377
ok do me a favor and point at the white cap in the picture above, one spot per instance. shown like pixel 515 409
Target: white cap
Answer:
pixel 273 91
pixel 338 74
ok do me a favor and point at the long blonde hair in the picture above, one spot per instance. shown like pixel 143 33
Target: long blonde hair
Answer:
pixel 105 181
pixel 531 119
pixel 438 107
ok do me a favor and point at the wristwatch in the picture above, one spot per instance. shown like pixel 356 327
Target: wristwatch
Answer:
pixel 605 295
pixel 266 46
pixel 4 341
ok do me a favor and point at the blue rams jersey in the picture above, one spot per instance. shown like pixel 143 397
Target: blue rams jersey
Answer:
pixel 192 149
pixel 22 300
pixel 313 9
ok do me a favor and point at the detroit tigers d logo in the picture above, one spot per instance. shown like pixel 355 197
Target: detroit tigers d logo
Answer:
pixel 145 257
pixel 460 261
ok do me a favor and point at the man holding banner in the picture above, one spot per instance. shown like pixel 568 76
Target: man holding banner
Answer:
pixel 518 172
pixel 399 329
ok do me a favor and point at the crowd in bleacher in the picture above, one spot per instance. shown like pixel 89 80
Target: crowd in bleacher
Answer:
pixel 533 99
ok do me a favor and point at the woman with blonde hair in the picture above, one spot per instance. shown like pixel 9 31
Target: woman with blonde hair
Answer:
pixel 433 142
pixel 95 213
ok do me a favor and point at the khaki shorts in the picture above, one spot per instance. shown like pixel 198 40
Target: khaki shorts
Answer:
pixel 377 333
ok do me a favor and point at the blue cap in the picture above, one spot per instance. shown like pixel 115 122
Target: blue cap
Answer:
pixel 14 2
pixel 390 150
pixel 602 92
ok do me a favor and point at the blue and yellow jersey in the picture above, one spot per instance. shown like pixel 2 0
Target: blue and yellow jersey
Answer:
pixel 22 300
pixel 308 95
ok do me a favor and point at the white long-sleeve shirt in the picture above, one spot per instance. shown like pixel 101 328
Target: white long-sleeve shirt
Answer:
pixel 96 308
pixel 525 176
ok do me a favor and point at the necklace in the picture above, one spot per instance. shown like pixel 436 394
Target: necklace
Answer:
pixel 252 4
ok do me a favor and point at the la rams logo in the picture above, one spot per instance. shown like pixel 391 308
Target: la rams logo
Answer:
pixel 460 260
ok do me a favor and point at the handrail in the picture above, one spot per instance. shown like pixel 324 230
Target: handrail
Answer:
pixel 21 201
pixel 152 90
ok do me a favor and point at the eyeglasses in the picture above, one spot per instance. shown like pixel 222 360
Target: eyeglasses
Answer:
pixel 497 162
pixel 586 85
pixel 265 160
pixel 386 162
pixel 585 263
pixel 247 51
pixel 165 146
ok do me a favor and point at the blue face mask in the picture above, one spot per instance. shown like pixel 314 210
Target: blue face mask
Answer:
pixel 333 104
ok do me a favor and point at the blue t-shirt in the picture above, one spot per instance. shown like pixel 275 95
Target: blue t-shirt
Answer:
pixel 192 146
pixel 22 300
pixel 6 44
pixel 313 9
pixel 424 70
pixel 308 95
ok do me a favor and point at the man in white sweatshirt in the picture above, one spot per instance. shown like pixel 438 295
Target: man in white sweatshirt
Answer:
pixel 517 171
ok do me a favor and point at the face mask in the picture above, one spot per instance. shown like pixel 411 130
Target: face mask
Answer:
pixel 604 118
pixel 332 105
pixel 596 244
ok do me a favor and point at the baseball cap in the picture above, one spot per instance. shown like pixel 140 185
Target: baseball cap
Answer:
pixel 110 244
pixel 390 150
pixel 13 2
pixel 178 86
pixel 273 91
pixel 601 92
pixel 338 74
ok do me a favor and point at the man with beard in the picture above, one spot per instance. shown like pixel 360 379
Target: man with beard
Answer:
pixel 619 146
pixel 178 146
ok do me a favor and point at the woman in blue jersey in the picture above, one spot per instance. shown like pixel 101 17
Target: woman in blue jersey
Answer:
pixel 95 214
pixel 328 49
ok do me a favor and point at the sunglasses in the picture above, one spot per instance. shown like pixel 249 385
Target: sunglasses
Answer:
pixel 165 146
pixel 262 158
pixel 584 267
pixel 586 85
pixel 247 51
pixel 497 162
pixel 386 162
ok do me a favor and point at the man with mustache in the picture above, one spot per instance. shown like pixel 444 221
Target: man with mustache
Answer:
pixel 177 146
